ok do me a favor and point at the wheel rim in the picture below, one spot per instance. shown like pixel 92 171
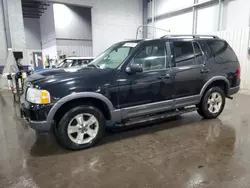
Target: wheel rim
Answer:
pixel 83 128
pixel 214 102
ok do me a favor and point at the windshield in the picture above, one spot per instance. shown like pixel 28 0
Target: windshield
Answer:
pixel 114 56
pixel 65 63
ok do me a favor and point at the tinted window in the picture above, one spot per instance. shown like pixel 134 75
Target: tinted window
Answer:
pixel 183 54
pixel 152 57
pixel 222 50
pixel 198 53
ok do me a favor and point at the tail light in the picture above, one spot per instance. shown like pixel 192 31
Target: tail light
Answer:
pixel 238 71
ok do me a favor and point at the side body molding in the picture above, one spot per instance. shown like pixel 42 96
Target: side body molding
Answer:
pixel 70 97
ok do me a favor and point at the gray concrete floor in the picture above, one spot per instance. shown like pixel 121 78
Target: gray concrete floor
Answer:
pixel 185 151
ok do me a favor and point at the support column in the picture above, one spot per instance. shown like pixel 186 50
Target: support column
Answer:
pixel 15 34
pixel 145 18
pixel 3 46
pixel 195 17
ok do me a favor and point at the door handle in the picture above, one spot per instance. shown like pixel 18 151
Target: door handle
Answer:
pixel 164 76
pixel 205 70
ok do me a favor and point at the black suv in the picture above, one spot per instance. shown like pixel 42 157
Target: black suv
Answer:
pixel 132 82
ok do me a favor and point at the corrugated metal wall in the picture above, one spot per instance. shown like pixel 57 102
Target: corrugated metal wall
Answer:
pixel 74 47
pixel 239 41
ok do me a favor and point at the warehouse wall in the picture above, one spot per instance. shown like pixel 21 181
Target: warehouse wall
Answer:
pixel 72 22
pixel 48 34
pixel 3 46
pixel 186 21
pixel 163 6
pixel 32 33
pixel 207 21
pixel 236 14
pixel 73 30
pixel 112 21
pixel 16 25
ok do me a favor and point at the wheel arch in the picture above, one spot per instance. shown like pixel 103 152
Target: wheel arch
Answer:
pixel 87 96
pixel 220 81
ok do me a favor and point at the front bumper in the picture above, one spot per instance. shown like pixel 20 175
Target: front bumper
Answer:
pixel 35 116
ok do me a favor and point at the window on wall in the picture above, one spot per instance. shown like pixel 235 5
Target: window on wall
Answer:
pixel 184 53
pixel 152 57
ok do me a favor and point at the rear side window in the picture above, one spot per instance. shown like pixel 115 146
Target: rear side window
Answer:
pixel 183 53
pixel 222 50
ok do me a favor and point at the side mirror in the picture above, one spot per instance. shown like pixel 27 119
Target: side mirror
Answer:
pixel 134 68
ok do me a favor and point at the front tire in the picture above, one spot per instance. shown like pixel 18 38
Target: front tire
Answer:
pixel 212 103
pixel 81 127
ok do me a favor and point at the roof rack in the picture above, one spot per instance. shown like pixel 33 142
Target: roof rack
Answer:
pixel 190 36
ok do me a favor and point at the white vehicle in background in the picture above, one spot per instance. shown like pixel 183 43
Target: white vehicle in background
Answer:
pixel 74 61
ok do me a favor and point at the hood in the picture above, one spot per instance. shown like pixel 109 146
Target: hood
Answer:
pixel 61 75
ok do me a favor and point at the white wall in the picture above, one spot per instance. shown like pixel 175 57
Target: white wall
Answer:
pixel 16 25
pixel 163 6
pixel 3 45
pixel 72 22
pixel 236 14
pixel 207 21
pixel 112 21
pixel 32 33
pixel 47 26
pixel 74 48
pixel 50 49
pixel 173 25
pixel 73 30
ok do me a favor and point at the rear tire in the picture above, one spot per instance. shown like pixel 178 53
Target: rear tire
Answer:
pixel 212 103
pixel 81 127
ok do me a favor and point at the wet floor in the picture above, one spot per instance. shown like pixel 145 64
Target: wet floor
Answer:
pixel 185 151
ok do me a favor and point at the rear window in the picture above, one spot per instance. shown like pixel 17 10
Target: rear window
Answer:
pixel 221 49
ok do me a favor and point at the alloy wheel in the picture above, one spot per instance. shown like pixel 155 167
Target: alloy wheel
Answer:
pixel 214 102
pixel 83 128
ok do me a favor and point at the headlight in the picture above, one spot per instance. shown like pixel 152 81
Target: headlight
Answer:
pixel 38 96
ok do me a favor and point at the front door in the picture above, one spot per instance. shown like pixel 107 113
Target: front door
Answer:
pixel 188 72
pixel 149 91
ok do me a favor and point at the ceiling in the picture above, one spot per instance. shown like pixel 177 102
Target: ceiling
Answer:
pixel 34 8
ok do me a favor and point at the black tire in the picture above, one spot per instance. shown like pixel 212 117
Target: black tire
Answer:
pixel 200 112
pixel 203 106
pixel 61 130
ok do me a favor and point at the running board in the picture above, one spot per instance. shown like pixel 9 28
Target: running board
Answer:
pixel 151 118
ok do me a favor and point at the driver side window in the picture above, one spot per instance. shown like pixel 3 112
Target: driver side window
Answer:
pixel 152 57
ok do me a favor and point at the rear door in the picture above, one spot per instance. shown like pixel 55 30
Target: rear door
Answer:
pixel 189 71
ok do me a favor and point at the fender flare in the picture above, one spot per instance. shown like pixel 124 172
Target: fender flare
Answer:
pixel 73 96
pixel 213 79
